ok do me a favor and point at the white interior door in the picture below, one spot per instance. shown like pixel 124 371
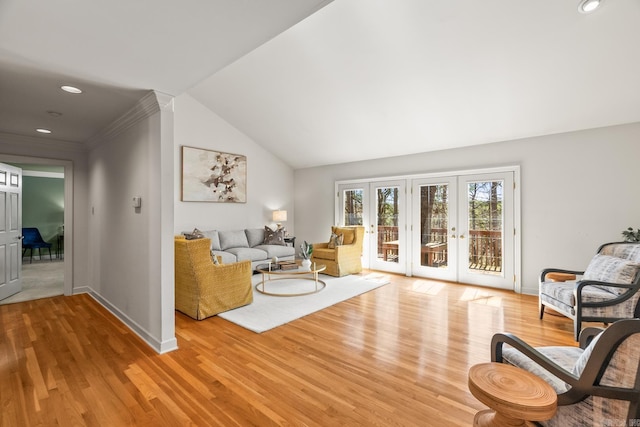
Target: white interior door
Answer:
pixel 10 230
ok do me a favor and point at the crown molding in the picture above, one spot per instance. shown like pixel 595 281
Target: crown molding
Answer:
pixel 165 101
pixel 17 143
pixel 147 106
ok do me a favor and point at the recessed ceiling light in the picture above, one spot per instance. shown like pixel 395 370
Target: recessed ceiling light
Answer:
pixel 71 89
pixel 43 130
pixel 588 6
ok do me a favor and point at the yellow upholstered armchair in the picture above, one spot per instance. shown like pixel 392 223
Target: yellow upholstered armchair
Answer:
pixel 341 259
pixel 203 288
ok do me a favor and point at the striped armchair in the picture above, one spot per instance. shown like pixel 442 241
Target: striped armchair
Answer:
pixel 605 292
pixel 204 289
pixel 597 383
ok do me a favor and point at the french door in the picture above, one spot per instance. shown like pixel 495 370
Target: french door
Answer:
pixel 387 229
pixel 434 231
pixel 459 228
pixel 463 229
pixel 381 208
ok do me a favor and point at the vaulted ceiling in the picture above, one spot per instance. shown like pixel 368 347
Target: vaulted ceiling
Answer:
pixel 116 51
pixel 357 79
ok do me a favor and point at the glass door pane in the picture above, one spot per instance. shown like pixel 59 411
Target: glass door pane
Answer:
pixel 434 228
pixel 485 225
pixel 353 209
pixel 486 230
pixel 434 223
pixel 353 213
pixel 387 223
pixel 388 247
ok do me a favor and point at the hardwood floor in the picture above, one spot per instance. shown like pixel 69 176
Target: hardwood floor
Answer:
pixel 395 356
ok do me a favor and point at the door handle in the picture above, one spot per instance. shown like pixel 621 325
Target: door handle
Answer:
pixel 462 236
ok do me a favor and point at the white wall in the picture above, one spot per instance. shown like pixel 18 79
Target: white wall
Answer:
pixel 131 250
pixel 270 182
pixel 578 190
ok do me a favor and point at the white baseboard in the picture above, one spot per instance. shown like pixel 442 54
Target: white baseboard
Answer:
pixel 159 346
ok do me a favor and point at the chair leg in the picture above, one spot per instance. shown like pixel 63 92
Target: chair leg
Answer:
pixel 50 259
pixel 576 328
pixel 541 309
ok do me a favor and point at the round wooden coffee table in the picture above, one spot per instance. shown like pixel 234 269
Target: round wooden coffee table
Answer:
pixel 514 395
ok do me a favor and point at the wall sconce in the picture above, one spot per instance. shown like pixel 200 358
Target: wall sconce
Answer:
pixel 279 217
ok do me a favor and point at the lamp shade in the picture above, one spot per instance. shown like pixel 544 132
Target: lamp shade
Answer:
pixel 279 216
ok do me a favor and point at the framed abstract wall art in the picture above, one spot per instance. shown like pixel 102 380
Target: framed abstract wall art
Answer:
pixel 213 176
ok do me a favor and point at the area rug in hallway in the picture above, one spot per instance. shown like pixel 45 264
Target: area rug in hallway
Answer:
pixel 40 279
pixel 267 312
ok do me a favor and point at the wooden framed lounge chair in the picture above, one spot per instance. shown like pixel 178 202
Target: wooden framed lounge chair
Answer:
pixel 605 292
pixel 597 383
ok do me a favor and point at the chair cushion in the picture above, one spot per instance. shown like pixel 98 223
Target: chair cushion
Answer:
pixel 584 357
pixel 563 293
pixel 349 234
pixel 324 253
pixel 566 357
pixel 233 239
pixel 630 251
pixel 606 268
pixel 559 291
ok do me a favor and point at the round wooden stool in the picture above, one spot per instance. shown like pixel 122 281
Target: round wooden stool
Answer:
pixel 514 395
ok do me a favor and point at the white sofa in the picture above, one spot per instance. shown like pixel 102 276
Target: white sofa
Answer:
pixel 247 244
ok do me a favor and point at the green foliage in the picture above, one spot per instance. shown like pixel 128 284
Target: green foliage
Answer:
pixel 630 235
pixel 306 249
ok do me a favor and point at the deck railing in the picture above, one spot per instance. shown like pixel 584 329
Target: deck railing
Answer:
pixel 485 247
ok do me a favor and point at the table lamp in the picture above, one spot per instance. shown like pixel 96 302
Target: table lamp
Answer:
pixel 279 217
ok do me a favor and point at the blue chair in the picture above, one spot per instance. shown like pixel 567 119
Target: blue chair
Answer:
pixel 32 239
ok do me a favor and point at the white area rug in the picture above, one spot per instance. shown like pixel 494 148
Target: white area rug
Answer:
pixel 266 311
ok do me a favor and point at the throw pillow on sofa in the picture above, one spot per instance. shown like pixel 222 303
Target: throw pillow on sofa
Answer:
pixel 195 234
pixel 272 237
